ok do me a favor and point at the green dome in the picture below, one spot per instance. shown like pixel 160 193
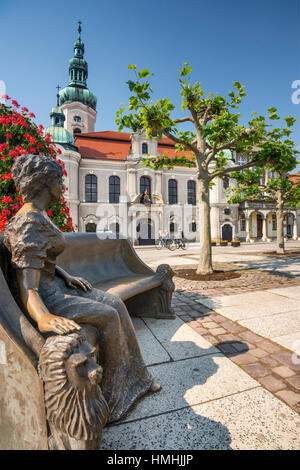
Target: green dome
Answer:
pixel 74 93
pixel 60 135
pixel 57 110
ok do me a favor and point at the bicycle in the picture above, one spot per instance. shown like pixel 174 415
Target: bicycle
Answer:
pixel 166 243
pixel 180 243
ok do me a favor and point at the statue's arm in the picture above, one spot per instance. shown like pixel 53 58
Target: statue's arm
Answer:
pixel 29 281
pixel 72 281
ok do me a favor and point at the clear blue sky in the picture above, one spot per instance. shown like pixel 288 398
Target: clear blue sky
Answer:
pixel 256 43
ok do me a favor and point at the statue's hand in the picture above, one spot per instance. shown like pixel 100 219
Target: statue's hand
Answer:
pixel 73 282
pixel 59 325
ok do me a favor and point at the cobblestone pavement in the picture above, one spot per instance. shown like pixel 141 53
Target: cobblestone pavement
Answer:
pixel 267 362
pixel 250 280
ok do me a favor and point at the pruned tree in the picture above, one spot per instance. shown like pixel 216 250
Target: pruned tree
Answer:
pixel 251 183
pixel 214 128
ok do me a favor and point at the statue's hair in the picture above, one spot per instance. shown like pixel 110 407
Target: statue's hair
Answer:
pixel 32 173
pixel 77 413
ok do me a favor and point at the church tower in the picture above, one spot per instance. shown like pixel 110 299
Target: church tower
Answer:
pixel 76 100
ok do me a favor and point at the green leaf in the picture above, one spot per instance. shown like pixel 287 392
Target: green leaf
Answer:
pixel 185 70
pixel 131 67
pixel 272 110
pixel 144 73
pixel 290 121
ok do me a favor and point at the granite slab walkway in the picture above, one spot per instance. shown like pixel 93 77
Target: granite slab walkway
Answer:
pixel 207 400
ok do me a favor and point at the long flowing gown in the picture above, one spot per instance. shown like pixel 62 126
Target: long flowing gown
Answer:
pixel 35 242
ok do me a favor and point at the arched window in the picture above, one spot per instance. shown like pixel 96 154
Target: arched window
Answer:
pixel 90 227
pixel 193 227
pixel 91 188
pixel 114 189
pixel 172 192
pixel 144 148
pixel 77 131
pixel 191 188
pixel 242 222
pixel 145 185
pixel 77 118
pixel 225 182
pixel 274 222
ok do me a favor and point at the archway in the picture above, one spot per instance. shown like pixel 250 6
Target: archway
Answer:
pixel 259 225
pixel 227 232
pixel 146 232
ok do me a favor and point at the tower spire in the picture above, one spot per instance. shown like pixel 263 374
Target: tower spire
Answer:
pixel 57 95
pixel 78 67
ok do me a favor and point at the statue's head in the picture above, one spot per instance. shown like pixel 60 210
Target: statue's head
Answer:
pixel 33 173
pixel 73 399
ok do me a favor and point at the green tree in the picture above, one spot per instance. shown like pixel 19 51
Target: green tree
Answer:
pixel 251 183
pixel 215 127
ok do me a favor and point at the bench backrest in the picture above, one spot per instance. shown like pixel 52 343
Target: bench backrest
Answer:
pixel 99 260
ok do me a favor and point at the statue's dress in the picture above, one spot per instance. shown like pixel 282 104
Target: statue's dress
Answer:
pixel 35 242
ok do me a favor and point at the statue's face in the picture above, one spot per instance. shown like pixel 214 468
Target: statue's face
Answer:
pixel 56 188
pixel 82 370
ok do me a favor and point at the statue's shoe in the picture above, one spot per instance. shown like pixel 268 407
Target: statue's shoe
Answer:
pixel 155 386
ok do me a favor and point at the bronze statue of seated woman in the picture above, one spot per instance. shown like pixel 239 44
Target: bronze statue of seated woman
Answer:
pixel 62 304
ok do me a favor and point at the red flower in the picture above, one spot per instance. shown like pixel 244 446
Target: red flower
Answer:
pixel 6 200
pixel 24 109
pixel 49 212
pixel 31 115
pixel 15 103
pixel 5 97
pixel 8 135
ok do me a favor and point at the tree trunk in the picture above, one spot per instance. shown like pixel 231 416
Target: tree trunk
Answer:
pixel 279 222
pixel 205 261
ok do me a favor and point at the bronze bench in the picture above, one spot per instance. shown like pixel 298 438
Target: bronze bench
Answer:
pixel 110 265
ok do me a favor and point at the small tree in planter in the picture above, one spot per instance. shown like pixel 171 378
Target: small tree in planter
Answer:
pixel 235 242
pixel 19 135
pixel 281 189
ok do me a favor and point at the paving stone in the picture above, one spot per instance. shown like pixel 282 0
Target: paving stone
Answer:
pixel 185 318
pixel 290 341
pixel 232 327
pixel 217 331
pixel 226 349
pixel 240 346
pixel 211 339
pixel 295 382
pixel 257 352
pixel 289 397
pixel 196 314
pixel 269 361
pixel 227 337
pixel 215 317
pixel 283 371
pixel 272 384
pixel 256 370
pixel 273 326
pixel 268 346
pixel 249 336
pixel 152 351
pixel 286 358
pixel 254 419
pixel 202 308
pixel 190 382
pixel 210 324
pixel 178 339
pixel 245 358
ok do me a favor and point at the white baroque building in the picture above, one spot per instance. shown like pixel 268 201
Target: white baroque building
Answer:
pixel 110 191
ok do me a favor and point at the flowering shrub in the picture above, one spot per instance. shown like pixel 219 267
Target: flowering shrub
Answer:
pixel 20 136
